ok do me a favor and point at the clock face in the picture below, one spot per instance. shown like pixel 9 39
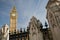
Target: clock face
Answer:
pixel 13 14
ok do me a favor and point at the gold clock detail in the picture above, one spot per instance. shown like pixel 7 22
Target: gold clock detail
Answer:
pixel 13 14
pixel 13 20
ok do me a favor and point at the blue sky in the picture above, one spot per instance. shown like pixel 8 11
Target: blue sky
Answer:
pixel 25 9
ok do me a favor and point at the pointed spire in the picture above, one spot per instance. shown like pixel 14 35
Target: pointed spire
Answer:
pixel 14 9
pixel 33 18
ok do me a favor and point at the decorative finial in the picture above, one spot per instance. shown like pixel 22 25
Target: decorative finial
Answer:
pixel 46 25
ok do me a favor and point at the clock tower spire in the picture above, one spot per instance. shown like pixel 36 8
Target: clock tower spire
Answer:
pixel 13 19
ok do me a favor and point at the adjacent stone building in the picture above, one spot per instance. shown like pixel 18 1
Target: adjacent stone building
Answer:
pixel 5 32
pixel 34 29
pixel 53 17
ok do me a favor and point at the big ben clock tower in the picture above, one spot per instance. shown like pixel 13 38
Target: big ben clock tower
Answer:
pixel 13 20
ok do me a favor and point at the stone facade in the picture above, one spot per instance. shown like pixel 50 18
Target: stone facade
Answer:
pixel 53 17
pixel 34 31
pixel 5 32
